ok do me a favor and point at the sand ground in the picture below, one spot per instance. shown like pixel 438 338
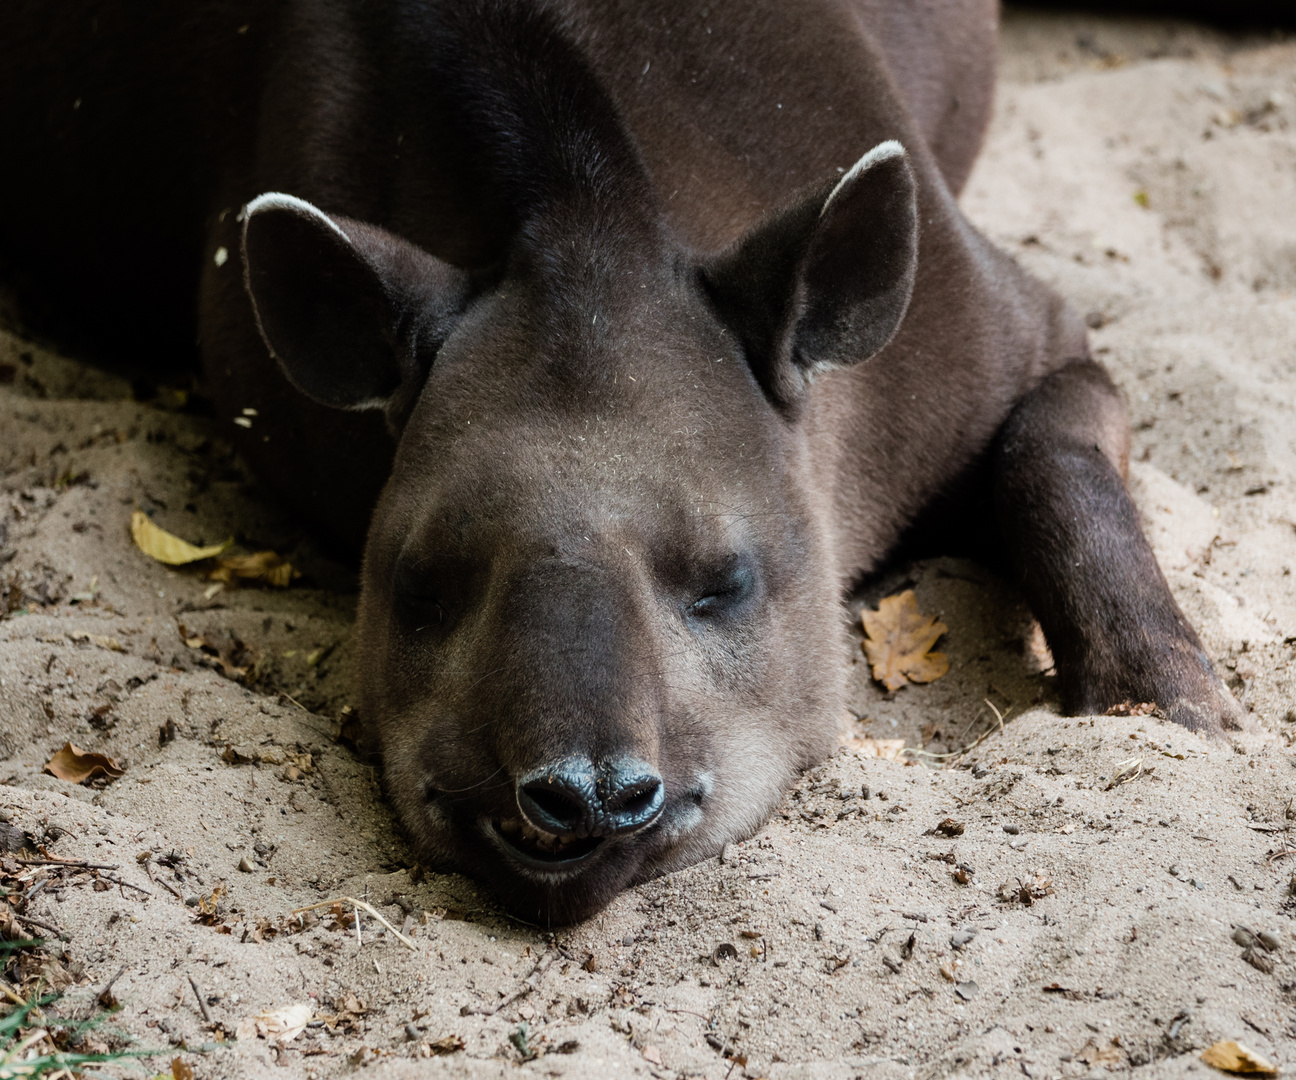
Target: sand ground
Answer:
pixel 1148 170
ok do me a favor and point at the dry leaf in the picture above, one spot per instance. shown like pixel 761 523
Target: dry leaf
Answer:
pixel 450 1044
pixel 899 641
pixel 1233 1057
pixel 161 545
pixel 886 749
pixel 263 567
pixel 280 1025
pixel 1094 1055
pixel 77 766
pixel 232 656
pixel 181 1070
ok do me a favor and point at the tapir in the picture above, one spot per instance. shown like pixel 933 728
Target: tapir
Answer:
pixel 626 337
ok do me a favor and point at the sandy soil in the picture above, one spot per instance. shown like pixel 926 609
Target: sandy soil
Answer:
pixel 1149 171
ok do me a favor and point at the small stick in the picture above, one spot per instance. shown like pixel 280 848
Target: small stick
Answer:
pixel 148 867
pixel 202 1003
pixel 17 1052
pixel 104 997
pixel 68 862
pixel 360 904
pixel 37 922
pixel 359 940
pixel 532 981
pixel 118 881
pixel 10 994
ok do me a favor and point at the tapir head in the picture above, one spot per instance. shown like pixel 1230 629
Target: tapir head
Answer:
pixel 600 628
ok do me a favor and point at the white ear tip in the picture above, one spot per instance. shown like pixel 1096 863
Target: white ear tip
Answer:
pixel 884 151
pixel 277 200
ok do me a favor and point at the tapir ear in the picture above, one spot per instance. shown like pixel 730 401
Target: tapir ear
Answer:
pixel 825 282
pixel 353 314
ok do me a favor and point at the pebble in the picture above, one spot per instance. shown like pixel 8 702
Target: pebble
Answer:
pixel 962 939
pixel 1012 830
pixel 411 1033
pixel 1269 940
pixel 1244 937
pixel 245 864
pixel 967 990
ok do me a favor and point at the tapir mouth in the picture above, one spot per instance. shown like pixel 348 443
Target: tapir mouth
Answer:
pixel 542 850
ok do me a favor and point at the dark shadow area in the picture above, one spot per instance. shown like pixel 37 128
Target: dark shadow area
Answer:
pixel 1233 14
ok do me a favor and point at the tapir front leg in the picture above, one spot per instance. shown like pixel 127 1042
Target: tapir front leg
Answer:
pixel 1072 531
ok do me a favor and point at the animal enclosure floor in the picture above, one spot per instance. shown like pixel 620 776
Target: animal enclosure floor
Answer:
pixel 1148 170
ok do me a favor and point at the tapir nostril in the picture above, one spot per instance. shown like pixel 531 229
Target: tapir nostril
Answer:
pixel 553 809
pixel 635 802
pixel 573 798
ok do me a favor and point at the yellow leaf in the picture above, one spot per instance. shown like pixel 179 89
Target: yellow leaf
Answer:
pixel 899 641
pixel 265 567
pixel 161 545
pixel 1233 1057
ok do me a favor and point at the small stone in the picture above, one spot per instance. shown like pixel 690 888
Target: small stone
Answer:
pixel 967 990
pixel 962 939
pixel 245 864
pixel 191 901
pixel 411 1033
pixel 1012 830
pixel 1244 937
pixel 1269 940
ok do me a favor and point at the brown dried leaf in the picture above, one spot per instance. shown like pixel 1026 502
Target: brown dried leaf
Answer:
pixel 450 1044
pixel 1233 1057
pixel 262 567
pixel 161 545
pixel 899 642
pixel 1110 1056
pixel 77 766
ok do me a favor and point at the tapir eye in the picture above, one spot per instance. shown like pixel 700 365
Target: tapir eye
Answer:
pixel 419 595
pixel 729 589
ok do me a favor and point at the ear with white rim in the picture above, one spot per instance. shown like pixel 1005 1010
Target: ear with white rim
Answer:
pixel 353 314
pixel 825 282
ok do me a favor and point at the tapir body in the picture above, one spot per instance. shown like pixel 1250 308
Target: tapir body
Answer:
pixel 626 337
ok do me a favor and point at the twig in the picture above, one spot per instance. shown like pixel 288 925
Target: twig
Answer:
pixel 1000 717
pixel 104 997
pixel 148 868
pixel 118 881
pixel 202 1002
pixel 8 990
pixel 17 1052
pixel 68 862
pixel 359 939
pixel 37 922
pixel 532 981
pixel 359 904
